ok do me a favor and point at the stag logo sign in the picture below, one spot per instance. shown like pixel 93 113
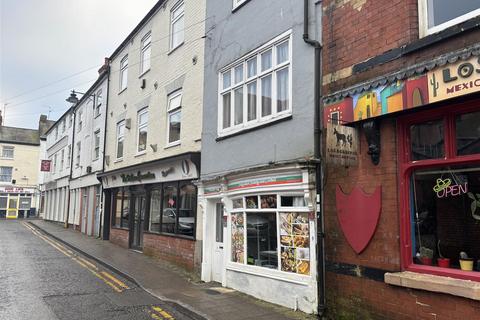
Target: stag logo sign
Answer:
pixel 342 145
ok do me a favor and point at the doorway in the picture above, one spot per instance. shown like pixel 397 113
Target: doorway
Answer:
pixel 139 207
pixel 12 212
pixel 218 251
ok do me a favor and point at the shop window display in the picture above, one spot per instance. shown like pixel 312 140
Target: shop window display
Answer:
pixel 274 238
pixel 440 163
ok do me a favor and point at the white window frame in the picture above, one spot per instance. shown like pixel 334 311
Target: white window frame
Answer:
pixel 338 117
pixel 259 120
pixel 79 151
pixel 80 120
pixel 423 19
pixel 146 47
pixel 62 160
pixel 120 136
pixel 237 3
pixel 177 6
pixel 141 126
pixel 98 103
pixel 96 145
pixel 172 111
pixel 123 71
pixel 3 175
pixel 9 148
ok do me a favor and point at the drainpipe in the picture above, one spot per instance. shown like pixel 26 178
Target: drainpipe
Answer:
pixel 317 149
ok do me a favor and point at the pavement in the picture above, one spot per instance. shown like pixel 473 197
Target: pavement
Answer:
pixel 170 284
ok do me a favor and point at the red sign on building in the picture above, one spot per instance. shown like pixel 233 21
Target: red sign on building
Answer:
pixel 45 166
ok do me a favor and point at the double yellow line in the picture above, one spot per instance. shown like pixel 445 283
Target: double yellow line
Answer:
pixel 158 313
pixel 106 277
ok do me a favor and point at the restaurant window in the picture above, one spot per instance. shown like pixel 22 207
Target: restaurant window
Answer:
pixel 441 198
pixel 267 235
pixel 173 209
pixel 436 15
pixel 256 89
pixel 121 204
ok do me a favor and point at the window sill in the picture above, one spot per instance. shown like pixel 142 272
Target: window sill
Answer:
pixel 139 154
pixel 238 6
pixel 98 115
pixel 171 145
pixel 457 287
pixel 143 73
pixel 118 160
pixel 174 49
pixel 253 128
pixel 269 273
pixel 172 235
pixel 121 91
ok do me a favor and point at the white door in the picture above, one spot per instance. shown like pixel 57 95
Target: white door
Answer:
pixel 218 263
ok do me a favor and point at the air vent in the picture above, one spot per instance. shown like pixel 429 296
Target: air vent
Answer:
pixel 89 169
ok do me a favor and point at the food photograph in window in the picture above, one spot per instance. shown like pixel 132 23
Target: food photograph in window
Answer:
pixel 295 242
pixel 238 238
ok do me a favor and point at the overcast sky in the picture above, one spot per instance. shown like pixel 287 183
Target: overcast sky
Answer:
pixel 45 41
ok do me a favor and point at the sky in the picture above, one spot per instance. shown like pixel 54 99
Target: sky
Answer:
pixel 49 47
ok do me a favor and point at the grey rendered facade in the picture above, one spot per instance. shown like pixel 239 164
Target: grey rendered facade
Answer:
pixel 261 155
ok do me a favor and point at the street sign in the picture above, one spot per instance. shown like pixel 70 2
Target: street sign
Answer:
pixel 45 166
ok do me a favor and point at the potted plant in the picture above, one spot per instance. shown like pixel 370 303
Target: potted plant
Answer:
pixel 466 263
pixel 442 261
pixel 426 256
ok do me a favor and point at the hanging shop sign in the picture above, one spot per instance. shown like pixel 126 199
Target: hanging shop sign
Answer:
pixel 446 82
pixel 454 80
pixel 342 145
pixel 45 165
pixel 444 188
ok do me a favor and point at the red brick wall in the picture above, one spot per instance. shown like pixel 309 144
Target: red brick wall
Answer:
pixel 119 237
pixel 176 250
pixel 354 34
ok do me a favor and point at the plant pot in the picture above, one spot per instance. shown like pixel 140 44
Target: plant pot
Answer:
pixel 443 262
pixel 426 261
pixel 466 264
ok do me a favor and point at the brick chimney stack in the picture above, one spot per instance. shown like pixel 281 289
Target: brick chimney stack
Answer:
pixel 104 67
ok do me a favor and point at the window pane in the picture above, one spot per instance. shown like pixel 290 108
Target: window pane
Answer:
pixel 227 79
pixel 292 201
pixel 446 214
pixel 155 207
pixel 252 101
pixel 237 203
pixel 175 102
pixel 125 209
pixel 238 237
pixel 268 201
pixel 226 110
pixel 239 106
pixel 266 96
pixel 169 215
pixel 262 239
pixel 3 202
pixel 252 202
pixel 440 11
pixel 186 217
pixel 267 60
pixel 178 32
pixel 175 126
pixel 219 223
pixel 468 133
pixel 252 67
pixel 295 242
pixel 282 52
pixel 239 74
pixel 142 139
pixel 282 90
pixel 427 140
pixel 120 148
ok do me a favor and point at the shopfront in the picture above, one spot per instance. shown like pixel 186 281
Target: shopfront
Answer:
pixel 260 236
pixel 153 209
pixel 17 202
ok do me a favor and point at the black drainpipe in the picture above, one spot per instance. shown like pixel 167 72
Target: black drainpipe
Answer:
pixel 74 120
pixel 317 149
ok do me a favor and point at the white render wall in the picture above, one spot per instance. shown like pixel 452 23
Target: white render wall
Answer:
pixel 180 68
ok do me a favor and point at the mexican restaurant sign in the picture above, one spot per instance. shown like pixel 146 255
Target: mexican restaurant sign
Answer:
pixel 455 80
pixel 45 165
pixel 446 82
pixel 137 177
pixel 342 145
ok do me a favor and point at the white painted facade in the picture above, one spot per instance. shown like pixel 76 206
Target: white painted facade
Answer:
pixel 56 182
pixel 88 144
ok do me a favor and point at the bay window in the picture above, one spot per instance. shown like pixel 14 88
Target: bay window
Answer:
pixel 440 176
pixel 436 15
pixel 271 231
pixel 256 89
